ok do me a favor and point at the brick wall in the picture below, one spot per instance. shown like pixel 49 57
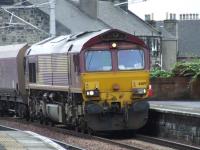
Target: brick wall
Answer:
pixel 175 88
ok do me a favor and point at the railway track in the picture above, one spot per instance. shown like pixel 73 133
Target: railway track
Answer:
pixel 97 138
pixel 125 144
pixel 164 142
pixel 76 134
pixel 91 137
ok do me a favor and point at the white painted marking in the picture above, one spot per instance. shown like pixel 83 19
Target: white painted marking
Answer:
pixel 46 140
pixel 13 84
pixel 176 111
pixel 9 128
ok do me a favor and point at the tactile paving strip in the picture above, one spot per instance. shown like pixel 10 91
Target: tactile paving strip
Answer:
pixel 9 143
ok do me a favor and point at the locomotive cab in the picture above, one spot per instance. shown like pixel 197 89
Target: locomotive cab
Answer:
pixel 115 82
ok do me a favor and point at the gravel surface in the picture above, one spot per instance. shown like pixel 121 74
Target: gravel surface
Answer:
pixel 88 144
pixel 145 145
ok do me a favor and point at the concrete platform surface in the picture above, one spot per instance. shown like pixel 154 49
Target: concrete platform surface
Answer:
pixel 188 108
pixel 27 140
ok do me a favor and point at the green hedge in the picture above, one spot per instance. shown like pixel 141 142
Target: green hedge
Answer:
pixel 158 73
pixel 180 69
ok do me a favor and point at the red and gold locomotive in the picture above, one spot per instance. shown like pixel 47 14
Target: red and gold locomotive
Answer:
pixel 93 80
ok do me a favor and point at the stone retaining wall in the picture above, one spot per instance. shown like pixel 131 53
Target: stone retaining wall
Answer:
pixel 176 127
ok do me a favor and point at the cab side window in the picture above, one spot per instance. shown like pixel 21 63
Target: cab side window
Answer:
pixel 32 72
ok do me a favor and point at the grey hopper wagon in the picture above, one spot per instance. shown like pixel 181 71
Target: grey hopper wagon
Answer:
pixel 12 80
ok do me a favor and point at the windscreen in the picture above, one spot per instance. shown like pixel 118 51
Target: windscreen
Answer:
pixel 98 60
pixel 130 59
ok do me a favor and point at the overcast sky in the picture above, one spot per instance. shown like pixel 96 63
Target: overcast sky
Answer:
pixel 160 7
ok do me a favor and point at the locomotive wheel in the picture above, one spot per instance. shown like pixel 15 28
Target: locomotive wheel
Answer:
pixel 90 131
pixel 41 121
pixel 52 123
pixel 26 114
pixel 41 118
pixel 2 113
pixel 46 121
pixel 77 129
pixel 32 117
pixel 83 127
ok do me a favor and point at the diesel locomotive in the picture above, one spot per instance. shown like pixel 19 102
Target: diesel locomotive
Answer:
pixel 97 80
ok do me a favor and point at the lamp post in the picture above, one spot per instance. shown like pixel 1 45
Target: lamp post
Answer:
pixel 52 18
pixel 130 1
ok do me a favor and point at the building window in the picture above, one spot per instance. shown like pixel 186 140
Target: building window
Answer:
pixel 154 47
pixel 32 72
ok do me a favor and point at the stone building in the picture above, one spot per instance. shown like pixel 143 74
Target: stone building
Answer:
pixel 188 39
pixel 185 34
pixel 15 31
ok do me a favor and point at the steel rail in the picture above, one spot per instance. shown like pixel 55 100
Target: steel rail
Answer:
pixel 123 145
pixel 164 142
pixel 88 136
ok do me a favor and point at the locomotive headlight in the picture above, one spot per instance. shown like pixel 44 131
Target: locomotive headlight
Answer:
pixel 88 93
pixel 92 93
pixel 114 45
pixel 140 91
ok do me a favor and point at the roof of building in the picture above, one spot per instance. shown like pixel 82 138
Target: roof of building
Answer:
pixel 107 16
pixel 72 17
pixel 188 38
pixel 127 21
pixel 165 34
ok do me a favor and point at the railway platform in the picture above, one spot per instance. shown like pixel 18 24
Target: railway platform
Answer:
pixel 25 140
pixel 175 120
pixel 187 107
